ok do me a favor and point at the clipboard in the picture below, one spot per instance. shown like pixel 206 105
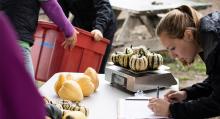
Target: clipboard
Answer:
pixel 135 108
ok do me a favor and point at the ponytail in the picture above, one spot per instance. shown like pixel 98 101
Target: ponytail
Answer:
pixel 176 21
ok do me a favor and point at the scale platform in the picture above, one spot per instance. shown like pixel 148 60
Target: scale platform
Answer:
pixel 134 81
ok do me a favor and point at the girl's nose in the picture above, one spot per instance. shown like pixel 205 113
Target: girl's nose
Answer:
pixel 173 55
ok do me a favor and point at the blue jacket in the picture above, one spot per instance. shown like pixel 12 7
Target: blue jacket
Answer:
pixel 203 99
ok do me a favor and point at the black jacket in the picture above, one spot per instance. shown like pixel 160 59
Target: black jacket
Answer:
pixel 203 99
pixel 91 14
pixel 23 15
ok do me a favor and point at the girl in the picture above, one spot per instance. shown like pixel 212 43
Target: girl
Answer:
pixel 185 34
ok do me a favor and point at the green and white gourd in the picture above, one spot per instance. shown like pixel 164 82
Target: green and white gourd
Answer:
pixel 147 52
pixel 138 50
pixel 129 49
pixel 138 62
pixel 125 58
pixel 115 57
pixel 154 61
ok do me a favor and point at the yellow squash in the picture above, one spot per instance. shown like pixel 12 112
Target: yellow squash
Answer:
pixel 71 90
pixel 93 75
pixel 60 81
pixel 86 85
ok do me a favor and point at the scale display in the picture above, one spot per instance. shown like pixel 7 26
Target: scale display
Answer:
pixel 120 80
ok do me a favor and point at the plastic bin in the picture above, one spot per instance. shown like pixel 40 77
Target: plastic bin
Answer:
pixel 49 57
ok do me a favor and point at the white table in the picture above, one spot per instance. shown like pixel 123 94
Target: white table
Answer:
pixel 103 103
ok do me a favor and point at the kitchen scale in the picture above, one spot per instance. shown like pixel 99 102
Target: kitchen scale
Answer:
pixel 134 81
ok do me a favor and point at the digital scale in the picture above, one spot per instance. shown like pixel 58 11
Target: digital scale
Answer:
pixel 134 81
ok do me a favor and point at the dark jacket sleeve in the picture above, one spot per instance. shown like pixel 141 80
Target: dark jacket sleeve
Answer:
pixel 202 89
pixel 64 5
pixel 104 14
pixel 202 107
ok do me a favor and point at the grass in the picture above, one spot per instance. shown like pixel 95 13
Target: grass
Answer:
pixel 197 67
pixel 184 73
pixel 184 78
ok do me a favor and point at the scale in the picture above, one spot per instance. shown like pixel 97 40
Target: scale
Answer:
pixel 134 81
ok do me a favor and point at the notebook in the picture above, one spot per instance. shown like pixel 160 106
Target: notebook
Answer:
pixel 133 108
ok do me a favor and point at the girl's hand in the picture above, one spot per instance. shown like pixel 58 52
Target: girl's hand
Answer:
pixel 70 42
pixel 97 34
pixel 175 96
pixel 160 107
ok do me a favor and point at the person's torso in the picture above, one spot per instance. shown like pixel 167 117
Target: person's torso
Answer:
pixel 209 37
pixel 84 13
pixel 23 15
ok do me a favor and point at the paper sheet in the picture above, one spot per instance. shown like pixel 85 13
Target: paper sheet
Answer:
pixel 135 109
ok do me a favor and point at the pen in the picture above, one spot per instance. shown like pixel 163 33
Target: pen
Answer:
pixel 158 91
pixel 140 99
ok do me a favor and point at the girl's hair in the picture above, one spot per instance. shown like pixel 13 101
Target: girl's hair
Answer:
pixel 176 21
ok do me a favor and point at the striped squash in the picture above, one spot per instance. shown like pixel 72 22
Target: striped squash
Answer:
pixel 146 52
pixel 154 61
pixel 115 57
pixel 77 107
pixel 139 49
pixel 128 49
pixel 138 62
pixel 125 58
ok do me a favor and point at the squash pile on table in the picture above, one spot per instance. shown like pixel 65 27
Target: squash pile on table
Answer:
pixel 74 89
pixel 137 59
pixel 65 110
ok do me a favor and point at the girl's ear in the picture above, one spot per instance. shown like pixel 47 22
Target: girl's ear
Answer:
pixel 188 35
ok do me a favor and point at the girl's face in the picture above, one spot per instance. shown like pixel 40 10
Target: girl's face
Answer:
pixel 184 49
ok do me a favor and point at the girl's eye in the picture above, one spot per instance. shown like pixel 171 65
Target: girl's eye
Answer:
pixel 173 48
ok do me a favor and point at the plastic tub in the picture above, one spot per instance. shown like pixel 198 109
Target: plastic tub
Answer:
pixel 49 57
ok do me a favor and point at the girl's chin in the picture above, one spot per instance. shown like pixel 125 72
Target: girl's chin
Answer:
pixel 186 62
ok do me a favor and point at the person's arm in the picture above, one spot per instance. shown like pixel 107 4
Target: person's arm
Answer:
pixel 104 14
pixel 55 13
pixel 202 89
pixel 200 108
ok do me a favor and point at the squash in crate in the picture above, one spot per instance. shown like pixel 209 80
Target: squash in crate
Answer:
pixel 138 62
pixel 154 61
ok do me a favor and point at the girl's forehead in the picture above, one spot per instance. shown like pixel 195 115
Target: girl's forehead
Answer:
pixel 165 38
